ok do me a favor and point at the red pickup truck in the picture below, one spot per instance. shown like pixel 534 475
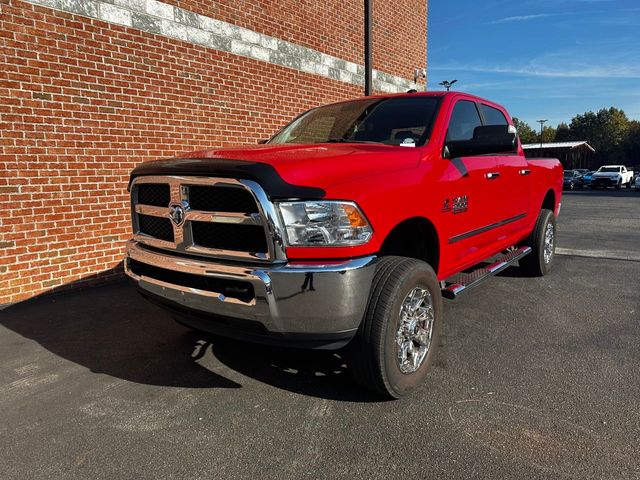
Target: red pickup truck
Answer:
pixel 346 228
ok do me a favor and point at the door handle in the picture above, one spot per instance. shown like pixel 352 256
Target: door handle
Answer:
pixel 524 172
pixel 491 175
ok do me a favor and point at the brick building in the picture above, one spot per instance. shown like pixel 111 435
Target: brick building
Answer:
pixel 91 88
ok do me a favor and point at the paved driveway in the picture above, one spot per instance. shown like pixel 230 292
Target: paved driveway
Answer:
pixel 536 378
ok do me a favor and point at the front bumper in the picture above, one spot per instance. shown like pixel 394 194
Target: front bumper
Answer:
pixel 604 181
pixel 294 304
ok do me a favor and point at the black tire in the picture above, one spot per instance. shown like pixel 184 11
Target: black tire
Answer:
pixel 618 185
pixel 535 264
pixel 373 353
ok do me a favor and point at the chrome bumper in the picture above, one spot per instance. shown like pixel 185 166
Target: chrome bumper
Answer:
pixel 293 298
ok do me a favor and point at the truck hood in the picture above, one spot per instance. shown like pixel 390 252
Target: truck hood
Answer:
pixel 320 165
pixel 317 166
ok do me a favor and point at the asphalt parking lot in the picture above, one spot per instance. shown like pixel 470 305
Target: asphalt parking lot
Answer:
pixel 536 378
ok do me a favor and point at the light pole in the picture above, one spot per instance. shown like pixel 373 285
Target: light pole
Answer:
pixel 447 84
pixel 541 122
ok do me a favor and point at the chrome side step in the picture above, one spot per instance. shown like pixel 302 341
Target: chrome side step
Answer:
pixel 469 280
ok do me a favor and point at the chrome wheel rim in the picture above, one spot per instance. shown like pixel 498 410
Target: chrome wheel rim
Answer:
pixel 415 330
pixel 548 243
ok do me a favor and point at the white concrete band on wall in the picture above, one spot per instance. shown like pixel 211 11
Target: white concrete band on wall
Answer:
pixel 160 18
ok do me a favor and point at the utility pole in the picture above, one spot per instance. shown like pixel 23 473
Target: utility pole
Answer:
pixel 368 68
pixel 541 122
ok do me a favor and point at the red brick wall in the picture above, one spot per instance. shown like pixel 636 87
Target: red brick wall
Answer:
pixel 399 36
pixel 334 27
pixel 82 102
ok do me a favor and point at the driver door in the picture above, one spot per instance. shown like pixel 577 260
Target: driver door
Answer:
pixel 472 204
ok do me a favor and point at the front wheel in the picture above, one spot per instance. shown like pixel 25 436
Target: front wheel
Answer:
pixel 543 245
pixel 400 333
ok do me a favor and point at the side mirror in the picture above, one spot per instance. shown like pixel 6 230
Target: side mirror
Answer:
pixel 486 140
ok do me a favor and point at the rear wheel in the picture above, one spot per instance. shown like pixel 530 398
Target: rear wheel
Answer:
pixel 543 245
pixel 398 338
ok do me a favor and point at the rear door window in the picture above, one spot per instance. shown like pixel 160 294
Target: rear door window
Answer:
pixel 493 116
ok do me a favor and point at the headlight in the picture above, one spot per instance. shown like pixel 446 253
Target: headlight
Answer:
pixel 324 223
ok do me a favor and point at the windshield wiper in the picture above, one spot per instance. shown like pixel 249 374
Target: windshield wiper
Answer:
pixel 346 140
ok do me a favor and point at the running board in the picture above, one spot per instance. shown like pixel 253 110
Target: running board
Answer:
pixel 469 280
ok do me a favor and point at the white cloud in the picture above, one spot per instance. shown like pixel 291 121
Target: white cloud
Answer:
pixel 521 18
pixel 537 70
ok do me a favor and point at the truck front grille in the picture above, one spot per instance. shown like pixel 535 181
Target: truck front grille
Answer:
pixel 158 195
pixel 156 227
pixel 214 217
pixel 221 199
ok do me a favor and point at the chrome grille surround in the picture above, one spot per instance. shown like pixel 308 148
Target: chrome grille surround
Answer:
pixel 183 234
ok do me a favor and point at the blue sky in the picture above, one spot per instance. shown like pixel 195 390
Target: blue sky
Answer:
pixel 541 59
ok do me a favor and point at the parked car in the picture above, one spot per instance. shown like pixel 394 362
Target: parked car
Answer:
pixel 586 178
pixel 612 176
pixel 346 228
pixel 637 183
pixel 571 180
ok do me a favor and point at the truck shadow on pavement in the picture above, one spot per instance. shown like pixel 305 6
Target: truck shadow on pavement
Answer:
pixel 316 373
pixel 111 330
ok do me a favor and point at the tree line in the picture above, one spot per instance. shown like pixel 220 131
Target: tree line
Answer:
pixel 615 138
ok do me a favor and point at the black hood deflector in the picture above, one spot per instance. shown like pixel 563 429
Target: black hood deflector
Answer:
pixel 267 176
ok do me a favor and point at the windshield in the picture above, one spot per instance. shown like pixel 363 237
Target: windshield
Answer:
pixel 392 121
pixel 609 169
pixel 568 173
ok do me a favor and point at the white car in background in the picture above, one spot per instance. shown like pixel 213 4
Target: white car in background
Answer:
pixel 612 176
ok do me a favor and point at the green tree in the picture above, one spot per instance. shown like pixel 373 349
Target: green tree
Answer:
pixel 548 135
pixel 583 127
pixel 525 132
pixel 563 133
pixel 607 131
pixel 632 143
